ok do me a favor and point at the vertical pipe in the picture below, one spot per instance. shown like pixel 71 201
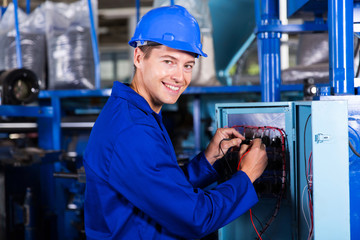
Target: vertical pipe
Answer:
pixel 137 11
pixel 269 52
pixel 172 2
pixel 341 46
pixel 28 6
pixel 197 123
pixel 94 43
pixel 17 36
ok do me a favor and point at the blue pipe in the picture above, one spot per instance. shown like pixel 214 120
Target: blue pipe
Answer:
pixel 95 47
pixel 137 11
pixel 172 2
pixel 197 123
pixel 269 51
pixel 17 36
pixel 28 6
pixel 341 46
pixel 257 13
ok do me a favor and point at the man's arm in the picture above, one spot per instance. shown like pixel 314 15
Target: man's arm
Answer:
pixel 144 173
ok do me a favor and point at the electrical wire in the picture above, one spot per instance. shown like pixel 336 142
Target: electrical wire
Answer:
pixel 305 160
pixel 277 206
pixel 302 208
pixel 357 49
pixel 254 225
pixel 282 133
pixel 257 219
pixel 238 167
pixel 224 155
pixel 308 176
pixel 353 149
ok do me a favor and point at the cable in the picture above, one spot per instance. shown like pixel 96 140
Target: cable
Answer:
pixel 357 49
pixel 256 132
pixel 308 176
pixel 254 225
pixel 238 167
pixel 353 149
pixel 302 208
pixel 257 219
pixel 305 160
pixel 225 155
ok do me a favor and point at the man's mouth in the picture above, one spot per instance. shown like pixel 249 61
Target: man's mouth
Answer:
pixel 172 87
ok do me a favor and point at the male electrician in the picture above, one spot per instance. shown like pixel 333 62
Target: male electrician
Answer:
pixel 134 186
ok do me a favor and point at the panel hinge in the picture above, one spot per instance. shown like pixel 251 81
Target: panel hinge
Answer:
pixel 320 137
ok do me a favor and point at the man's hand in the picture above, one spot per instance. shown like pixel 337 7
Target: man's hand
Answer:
pixel 254 162
pixel 217 147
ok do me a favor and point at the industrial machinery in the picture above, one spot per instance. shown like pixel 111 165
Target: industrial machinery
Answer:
pixel 307 146
pixel 310 189
pixel 323 136
pixel 18 86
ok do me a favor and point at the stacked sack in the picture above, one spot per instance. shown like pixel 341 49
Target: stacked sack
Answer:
pixel 58 29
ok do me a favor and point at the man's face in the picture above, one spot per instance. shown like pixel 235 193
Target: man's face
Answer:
pixel 163 76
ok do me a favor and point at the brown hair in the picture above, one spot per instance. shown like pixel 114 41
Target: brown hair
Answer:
pixel 146 49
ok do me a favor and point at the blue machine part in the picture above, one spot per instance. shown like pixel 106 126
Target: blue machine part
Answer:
pixel 296 7
pixel 341 46
pixel 354 161
pixel 330 168
pixel 17 36
pixel 316 128
pixel 269 51
pixel 94 44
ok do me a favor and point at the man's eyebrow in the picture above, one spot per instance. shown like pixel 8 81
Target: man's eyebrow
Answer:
pixel 169 56
pixel 174 58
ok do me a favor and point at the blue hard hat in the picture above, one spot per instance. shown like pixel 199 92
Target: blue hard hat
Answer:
pixel 172 26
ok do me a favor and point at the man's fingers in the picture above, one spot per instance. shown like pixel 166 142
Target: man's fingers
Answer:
pixel 243 149
pixel 230 143
pixel 256 142
pixel 232 132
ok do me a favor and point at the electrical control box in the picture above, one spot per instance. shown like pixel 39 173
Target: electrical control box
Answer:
pixel 304 191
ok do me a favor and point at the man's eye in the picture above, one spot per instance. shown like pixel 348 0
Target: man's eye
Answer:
pixel 189 66
pixel 168 61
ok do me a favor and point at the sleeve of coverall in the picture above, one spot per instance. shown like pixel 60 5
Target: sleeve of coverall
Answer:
pixel 199 171
pixel 143 172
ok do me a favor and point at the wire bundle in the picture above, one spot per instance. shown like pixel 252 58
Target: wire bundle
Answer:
pixel 309 187
pixel 265 133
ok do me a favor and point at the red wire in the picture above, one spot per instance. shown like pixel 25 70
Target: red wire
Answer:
pixel 254 225
pixel 284 164
pixel 238 167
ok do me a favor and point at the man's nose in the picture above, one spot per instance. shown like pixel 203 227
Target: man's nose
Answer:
pixel 178 74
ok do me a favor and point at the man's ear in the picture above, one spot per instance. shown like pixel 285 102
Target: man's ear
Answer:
pixel 138 57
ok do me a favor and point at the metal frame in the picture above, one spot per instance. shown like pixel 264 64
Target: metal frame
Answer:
pixel 330 167
pixel 341 47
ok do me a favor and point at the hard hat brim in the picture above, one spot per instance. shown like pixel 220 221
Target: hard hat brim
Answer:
pixel 183 46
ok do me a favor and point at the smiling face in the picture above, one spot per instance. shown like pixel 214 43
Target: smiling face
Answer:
pixel 162 76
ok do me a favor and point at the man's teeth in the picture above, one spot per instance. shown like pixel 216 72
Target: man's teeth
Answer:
pixel 172 87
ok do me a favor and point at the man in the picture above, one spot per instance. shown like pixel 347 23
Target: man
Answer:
pixel 135 188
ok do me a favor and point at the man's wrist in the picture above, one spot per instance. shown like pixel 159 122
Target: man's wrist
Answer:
pixel 210 159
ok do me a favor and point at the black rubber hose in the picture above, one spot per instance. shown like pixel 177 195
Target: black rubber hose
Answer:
pixel 353 149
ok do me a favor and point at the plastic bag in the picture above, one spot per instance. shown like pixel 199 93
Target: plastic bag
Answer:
pixel 70 52
pixel 32 41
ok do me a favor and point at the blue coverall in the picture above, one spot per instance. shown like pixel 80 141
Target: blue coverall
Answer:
pixel 135 188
